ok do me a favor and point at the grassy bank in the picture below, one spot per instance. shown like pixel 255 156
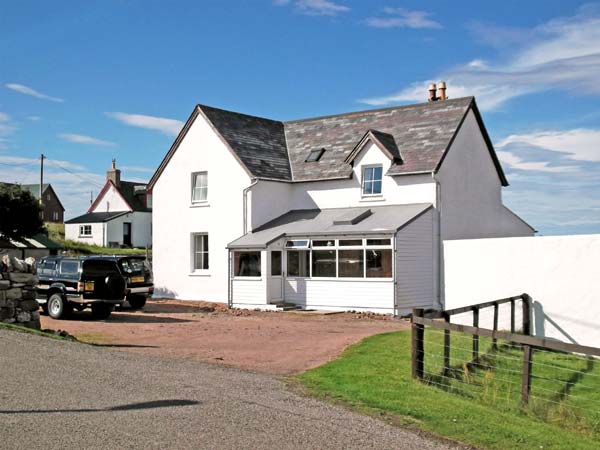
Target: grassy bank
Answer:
pixel 375 376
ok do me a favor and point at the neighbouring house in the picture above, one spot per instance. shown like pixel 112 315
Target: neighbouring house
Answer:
pixel 52 208
pixel 344 212
pixel 120 216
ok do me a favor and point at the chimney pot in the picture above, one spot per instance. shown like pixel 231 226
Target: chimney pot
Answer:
pixel 432 90
pixel 442 89
pixel 114 174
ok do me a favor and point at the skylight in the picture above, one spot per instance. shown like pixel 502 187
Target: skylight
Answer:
pixel 315 155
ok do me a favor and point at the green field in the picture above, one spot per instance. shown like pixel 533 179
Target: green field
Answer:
pixel 477 405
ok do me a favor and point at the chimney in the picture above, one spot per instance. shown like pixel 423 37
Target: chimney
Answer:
pixel 114 174
pixel 442 89
pixel 432 89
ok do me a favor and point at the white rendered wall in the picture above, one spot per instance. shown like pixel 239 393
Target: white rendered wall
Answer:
pixel 96 238
pixel 111 201
pixel 561 273
pixel 270 199
pixel 471 200
pixel 417 265
pixel 141 229
pixel 175 218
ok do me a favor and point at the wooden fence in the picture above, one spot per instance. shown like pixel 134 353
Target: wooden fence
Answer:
pixel 441 320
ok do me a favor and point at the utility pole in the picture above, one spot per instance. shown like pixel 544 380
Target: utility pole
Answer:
pixel 42 157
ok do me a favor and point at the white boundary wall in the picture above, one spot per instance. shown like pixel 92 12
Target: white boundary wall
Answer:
pixel 561 273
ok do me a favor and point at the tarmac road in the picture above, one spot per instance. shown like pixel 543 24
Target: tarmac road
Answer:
pixel 66 395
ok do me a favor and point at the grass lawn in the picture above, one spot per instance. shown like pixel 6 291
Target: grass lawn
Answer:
pixel 375 377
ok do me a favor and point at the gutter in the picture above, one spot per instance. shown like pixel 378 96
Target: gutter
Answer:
pixel 245 201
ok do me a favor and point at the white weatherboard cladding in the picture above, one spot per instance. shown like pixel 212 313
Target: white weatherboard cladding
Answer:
pixel 175 218
pixel 111 201
pixel 341 295
pixel 471 200
pixel 416 264
pixel 251 292
pixel 270 199
pixel 560 273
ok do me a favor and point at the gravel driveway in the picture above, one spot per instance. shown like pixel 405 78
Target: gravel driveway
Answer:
pixel 66 395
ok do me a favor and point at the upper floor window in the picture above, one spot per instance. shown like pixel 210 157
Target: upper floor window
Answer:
pixel 371 180
pixel 199 187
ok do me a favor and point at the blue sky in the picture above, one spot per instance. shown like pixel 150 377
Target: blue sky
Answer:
pixel 84 82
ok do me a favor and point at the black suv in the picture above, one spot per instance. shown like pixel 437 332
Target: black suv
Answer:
pixel 99 282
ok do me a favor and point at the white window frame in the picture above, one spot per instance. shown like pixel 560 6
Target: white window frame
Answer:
pixel 82 229
pixel 194 251
pixel 193 188
pixel 55 215
pixel 362 181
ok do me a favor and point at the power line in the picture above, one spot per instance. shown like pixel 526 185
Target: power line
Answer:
pixel 86 179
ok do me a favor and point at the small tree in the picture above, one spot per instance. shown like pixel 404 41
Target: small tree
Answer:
pixel 19 212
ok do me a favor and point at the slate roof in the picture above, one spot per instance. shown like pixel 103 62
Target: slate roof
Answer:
pixel 127 190
pixel 420 134
pixel 96 217
pixel 334 221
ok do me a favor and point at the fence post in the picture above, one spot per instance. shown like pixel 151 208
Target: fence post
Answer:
pixel 512 316
pixel 494 340
pixel 446 346
pixel 526 314
pixel 475 337
pixel 418 350
pixel 526 381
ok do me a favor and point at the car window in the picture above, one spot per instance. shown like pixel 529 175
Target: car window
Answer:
pixel 130 265
pixel 99 267
pixel 69 267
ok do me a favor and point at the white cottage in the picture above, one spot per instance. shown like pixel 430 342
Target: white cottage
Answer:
pixel 344 212
pixel 120 216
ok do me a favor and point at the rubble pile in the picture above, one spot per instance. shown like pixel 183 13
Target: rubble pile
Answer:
pixel 17 292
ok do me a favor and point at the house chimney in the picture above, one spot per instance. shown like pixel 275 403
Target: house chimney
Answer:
pixel 114 174
pixel 442 89
pixel 432 89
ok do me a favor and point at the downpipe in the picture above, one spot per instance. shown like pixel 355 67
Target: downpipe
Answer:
pixel 245 205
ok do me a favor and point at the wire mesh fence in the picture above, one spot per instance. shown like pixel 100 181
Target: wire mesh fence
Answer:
pixel 551 385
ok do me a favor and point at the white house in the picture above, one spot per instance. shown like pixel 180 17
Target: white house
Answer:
pixel 344 212
pixel 120 216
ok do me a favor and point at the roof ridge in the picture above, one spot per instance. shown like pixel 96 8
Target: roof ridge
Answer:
pixel 387 108
pixel 199 105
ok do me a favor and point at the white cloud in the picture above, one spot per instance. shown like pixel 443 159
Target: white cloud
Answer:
pixel 563 54
pixel 170 127
pixel 32 92
pixel 88 140
pixel 34 118
pixel 315 7
pixel 403 18
pixel 580 144
pixel 515 162
pixel 137 169
pixel 6 125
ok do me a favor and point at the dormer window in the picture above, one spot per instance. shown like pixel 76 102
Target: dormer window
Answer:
pixel 371 180
pixel 315 155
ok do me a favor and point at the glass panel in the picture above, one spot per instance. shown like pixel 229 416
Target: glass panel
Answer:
pixel 378 242
pixel 275 264
pixel 323 263
pixel 368 188
pixel 201 252
pixel 379 263
pixel 351 263
pixel 377 173
pixel 296 244
pixel 330 243
pixel 71 267
pixel 297 263
pixel 350 242
pixel 200 187
pixel 246 264
pixel 376 187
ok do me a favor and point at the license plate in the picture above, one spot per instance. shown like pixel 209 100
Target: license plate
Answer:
pixel 137 279
pixel 89 286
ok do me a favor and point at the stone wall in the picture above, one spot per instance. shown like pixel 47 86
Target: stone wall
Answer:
pixel 17 292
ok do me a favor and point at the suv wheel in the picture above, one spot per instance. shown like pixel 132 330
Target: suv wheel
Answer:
pixel 137 301
pixel 101 311
pixel 58 307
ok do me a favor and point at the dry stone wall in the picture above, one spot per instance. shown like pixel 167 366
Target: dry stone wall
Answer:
pixel 18 283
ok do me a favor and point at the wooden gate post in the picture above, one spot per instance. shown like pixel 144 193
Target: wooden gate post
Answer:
pixel 495 341
pixel 512 316
pixel 446 346
pixel 526 314
pixel 526 381
pixel 418 350
pixel 475 337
